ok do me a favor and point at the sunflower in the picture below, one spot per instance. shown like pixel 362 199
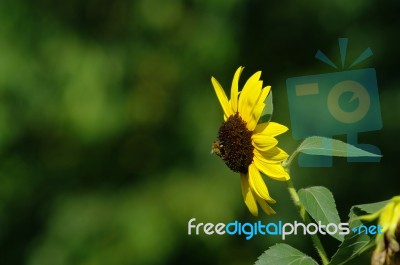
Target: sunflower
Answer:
pixel 247 147
pixel 387 241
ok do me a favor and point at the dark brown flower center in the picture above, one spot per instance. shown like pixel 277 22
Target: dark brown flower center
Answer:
pixel 233 144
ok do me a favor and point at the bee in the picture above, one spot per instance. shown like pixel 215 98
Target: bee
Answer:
pixel 217 148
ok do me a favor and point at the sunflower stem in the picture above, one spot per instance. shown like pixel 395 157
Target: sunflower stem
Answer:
pixel 286 163
pixel 306 218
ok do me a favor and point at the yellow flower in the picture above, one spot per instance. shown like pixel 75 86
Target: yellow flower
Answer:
pixel 247 147
pixel 387 243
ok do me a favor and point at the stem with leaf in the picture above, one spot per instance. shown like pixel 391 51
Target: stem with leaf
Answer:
pixel 302 211
pixel 318 203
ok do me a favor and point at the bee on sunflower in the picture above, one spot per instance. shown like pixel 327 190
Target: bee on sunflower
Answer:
pixel 247 146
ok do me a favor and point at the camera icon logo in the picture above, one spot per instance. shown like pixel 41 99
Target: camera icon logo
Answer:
pixel 358 91
pixel 339 103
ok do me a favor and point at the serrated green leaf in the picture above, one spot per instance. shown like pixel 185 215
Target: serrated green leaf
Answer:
pixel 318 145
pixel 320 204
pixel 355 244
pixel 283 254
pixel 268 110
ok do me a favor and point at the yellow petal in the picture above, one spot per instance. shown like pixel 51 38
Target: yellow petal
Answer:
pixel 248 196
pixel 385 217
pixel 270 128
pixel 257 184
pixel 370 217
pixel 255 116
pixel 395 218
pixel 264 205
pixel 263 142
pixel 272 170
pixel 235 89
pixel 256 112
pixel 249 96
pixel 223 100
pixel 264 94
pixel 273 155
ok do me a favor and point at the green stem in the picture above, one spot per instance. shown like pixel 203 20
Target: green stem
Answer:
pixel 286 164
pixel 303 214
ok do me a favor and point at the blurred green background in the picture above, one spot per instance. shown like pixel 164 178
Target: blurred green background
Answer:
pixel 107 116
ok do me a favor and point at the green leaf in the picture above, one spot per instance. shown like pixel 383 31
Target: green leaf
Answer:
pixel 269 108
pixel 317 145
pixel 372 207
pixel 320 204
pixel 283 254
pixel 355 244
